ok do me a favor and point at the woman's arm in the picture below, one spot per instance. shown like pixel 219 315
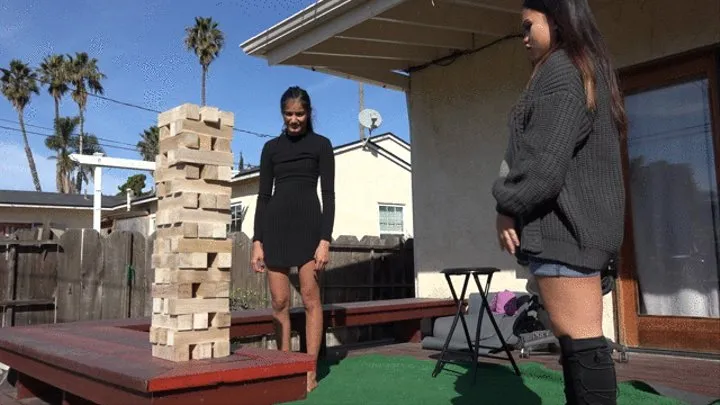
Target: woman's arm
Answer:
pixel 558 122
pixel 327 184
pixel 267 178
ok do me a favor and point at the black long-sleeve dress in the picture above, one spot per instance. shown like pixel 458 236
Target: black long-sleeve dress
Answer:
pixel 289 221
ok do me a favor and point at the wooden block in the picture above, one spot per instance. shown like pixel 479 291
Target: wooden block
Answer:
pixel 184 215
pixel 221 348
pixel 201 128
pixel 208 201
pixel 171 353
pixel 177 322
pixel 158 335
pixel 180 260
pixel 211 230
pixel 201 351
pixel 220 320
pixel 223 202
pixel 220 260
pixel 206 142
pixel 227 119
pixel 224 173
pixel 167 275
pixel 212 289
pixel 164 134
pixel 221 145
pixel 210 114
pixel 172 290
pixel 202 245
pixel 209 172
pixel 179 306
pixel 186 140
pixel 157 305
pixel 190 200
pixel 200 320
pixel 186 230
pixel 196 186
pixel 181 112
pixel 202 157
pixel 181 338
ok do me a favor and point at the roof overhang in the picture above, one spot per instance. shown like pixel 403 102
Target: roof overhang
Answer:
pixel 382 41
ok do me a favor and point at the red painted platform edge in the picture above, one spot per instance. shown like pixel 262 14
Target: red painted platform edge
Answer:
pixel 276 364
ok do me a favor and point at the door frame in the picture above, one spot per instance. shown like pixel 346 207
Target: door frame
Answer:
pixel 674 333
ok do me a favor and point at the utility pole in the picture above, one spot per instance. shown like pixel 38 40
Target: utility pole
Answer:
pixel 361 96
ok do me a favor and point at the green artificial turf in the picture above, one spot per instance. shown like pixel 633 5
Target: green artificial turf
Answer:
pixel 397 380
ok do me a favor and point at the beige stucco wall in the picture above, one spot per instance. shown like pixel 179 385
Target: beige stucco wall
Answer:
pixel 363 179
pixel 57 217
pixel 458 130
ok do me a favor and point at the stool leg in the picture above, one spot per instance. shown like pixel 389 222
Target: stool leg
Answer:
pixel 494 323
pixel 483 294
pixel 458 314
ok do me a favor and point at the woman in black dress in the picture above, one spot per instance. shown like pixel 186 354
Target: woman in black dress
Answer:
pixel 561 200
pixel 291 229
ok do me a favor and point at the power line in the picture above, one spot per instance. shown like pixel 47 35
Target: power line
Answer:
pixel 132 105
pixel 49 135
pixel 76 134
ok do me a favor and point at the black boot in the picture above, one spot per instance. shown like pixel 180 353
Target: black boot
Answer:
pixel 589 371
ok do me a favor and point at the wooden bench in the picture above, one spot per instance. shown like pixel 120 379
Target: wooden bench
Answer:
pixel 110 362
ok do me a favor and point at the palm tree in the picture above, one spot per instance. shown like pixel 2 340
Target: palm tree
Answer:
pixel 84 75
pixel 17 85
pixel 64 142
pixel 148 144
pixel 53 73
pixel 206 40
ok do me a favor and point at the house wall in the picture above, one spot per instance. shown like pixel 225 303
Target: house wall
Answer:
pixel 58 217
pixel 458 118
pixel 363 179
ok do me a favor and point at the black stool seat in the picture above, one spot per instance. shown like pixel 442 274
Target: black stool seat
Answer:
pixel 484 271
pixel 475 272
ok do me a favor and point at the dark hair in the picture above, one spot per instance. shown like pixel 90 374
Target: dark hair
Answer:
pixel 297 93
pixel 577 33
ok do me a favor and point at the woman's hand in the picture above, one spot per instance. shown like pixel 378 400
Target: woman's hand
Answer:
pixel 507 237
pixel 322 255
pixel 258 257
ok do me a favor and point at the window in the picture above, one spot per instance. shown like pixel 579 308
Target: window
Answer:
pixel 391 219
pixel 236 218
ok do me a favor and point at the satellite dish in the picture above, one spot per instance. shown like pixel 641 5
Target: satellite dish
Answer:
pixel 370 119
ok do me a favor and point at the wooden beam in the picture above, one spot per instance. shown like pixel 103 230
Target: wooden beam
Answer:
pixel 497 5
pixel 382 78
pixel 453 17
pixel 330 61
pixel 376 50
pixel 323 31
pixel 403 34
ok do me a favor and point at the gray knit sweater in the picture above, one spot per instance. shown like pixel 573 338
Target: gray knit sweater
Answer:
pixel 563 181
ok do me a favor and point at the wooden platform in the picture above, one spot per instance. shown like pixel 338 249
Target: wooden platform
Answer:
pixel 110 362
pixel 111 365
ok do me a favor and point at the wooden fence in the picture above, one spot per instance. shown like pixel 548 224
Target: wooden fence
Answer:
pixel 93 276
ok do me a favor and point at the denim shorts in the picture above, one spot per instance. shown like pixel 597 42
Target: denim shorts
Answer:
pixel 541 268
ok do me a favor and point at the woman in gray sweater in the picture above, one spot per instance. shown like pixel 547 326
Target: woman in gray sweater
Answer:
pixel 561 201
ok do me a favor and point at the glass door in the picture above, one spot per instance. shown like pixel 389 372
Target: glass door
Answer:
pixel 669 285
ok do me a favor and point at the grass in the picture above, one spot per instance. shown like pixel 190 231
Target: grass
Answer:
pixel 379 379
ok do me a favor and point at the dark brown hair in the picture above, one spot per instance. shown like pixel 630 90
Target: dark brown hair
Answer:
pixel 297 93
pixel 577 33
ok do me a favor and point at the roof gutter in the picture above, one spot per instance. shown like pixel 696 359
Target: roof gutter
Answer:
pixel 296 24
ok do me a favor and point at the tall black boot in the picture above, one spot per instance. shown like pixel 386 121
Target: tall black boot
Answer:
pixel 589 371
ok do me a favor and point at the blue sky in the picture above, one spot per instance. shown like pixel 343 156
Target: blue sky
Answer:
pixel 139 46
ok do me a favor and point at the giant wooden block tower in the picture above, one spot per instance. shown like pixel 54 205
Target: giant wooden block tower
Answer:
pixel 192 253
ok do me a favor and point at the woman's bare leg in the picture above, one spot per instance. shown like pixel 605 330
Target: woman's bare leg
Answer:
pixel 575 307
pixel 280 299
pixel 310 292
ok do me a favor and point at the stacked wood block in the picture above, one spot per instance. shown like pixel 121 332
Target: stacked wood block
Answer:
pixel 192 253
